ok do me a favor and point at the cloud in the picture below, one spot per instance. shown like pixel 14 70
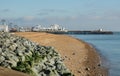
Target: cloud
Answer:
pixel 53 10
pixel 28 18
pixel 96 17
pixel 5 10
pixel 45 12
pixel 106 16
pixel 112 15
pixel 78 21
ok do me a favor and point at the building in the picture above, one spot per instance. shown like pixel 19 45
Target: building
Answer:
pixel 4 28
pixel 38 28
pixel 52 28
pixel 56 27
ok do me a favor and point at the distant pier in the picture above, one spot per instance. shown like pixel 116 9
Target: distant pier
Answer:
pixel 90 32
pixel 80 32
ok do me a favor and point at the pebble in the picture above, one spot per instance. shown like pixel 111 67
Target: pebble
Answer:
pixel 73 53
pixel 99 65
pixel 79 71
pixel 87 69
pixel 65 56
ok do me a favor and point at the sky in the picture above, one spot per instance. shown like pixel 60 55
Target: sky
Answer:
pixel 71 14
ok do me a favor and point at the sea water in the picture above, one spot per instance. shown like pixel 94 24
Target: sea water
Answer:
pixel 109 46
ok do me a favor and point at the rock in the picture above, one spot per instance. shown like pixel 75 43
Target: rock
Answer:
pixel 13 47
pixel 87 69
pixel 65 56
pixel 79 71
pixel 73 53
pixel 99 64
pixel 26 56
pixel 2 58
pixel 12 63
pixel 5 64
pixel 0 51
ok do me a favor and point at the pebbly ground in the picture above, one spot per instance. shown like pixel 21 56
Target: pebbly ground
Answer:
pixel 80 57
pixel 21 54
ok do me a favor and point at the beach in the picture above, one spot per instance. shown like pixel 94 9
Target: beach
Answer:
pixel 80 57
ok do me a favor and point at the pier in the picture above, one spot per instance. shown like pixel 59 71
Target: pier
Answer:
pixel 80 32
pixel 90 32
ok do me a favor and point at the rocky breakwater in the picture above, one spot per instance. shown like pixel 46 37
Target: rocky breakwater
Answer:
pixel 20 54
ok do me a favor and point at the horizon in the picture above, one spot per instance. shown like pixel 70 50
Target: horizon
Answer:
pixel 77 14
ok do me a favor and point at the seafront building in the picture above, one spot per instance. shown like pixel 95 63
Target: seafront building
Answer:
pixel 3 26
pixel 52 28
pixel 38 28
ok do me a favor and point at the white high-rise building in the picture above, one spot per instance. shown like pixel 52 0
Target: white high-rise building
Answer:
pixel 4 28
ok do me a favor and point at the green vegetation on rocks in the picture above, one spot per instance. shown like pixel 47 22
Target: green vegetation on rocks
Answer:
pixel 26 56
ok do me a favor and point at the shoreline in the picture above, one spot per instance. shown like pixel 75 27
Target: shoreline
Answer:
pixel 80 57
pixel 96 65
pixel 105 63
pixel 100 65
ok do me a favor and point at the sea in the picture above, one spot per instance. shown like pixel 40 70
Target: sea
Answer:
pixel 109 48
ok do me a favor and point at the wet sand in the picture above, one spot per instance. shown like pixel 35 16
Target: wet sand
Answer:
pixel 80 57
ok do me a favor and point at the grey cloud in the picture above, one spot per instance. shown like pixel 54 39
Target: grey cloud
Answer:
pixel 53 10
pixel 48 10
pixel 43 13
pixel 5 10
pixel 79 21
pixel 26 19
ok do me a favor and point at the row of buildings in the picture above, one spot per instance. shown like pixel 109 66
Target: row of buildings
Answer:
pixel 38 28
pixel 54 27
